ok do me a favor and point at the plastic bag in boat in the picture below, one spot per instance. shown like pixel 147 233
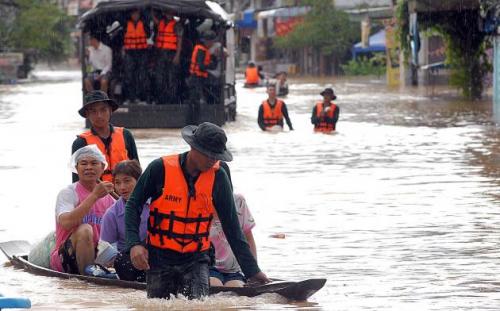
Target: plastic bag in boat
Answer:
pixel 40 253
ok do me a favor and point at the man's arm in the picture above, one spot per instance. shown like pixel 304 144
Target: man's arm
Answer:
pixel 179 31
pixel 130 145
pixel 284 111
pixel 225 167
pixel 260 118
pixel 77 144
pixel 336 114
pixel 73 218
pixel 224 206
pixel 314 118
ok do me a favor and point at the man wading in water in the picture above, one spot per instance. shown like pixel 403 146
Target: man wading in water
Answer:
pixel 186 190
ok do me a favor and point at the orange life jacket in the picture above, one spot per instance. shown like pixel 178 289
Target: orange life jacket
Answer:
pixel 166 38
pixel 178 221
pixel 115 153
pixel 135 37
pixel 252 75
pixel 195 67
pixel 323 126
pixel 272 115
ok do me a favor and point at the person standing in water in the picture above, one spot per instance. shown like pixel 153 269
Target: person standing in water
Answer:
pixel 186 191
pixel 325 114
pixel 272 111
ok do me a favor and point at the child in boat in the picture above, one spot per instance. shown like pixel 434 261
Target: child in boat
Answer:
pixel 125 176
pixel 226 271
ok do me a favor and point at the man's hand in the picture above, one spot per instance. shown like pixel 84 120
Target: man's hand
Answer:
pixel 139 257
pixel 259 278
pixel 102 189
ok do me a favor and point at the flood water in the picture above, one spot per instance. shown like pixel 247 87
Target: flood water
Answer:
pixel 399 209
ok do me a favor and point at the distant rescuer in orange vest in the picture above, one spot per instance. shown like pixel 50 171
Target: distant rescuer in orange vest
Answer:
pixel 252 75
pixel 116 143
pixel 325 114
pixel 168 48
pixel 186 190
pixel 272 111
pixel 135 46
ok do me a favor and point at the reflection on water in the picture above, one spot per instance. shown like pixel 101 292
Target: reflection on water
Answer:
pixel 398 209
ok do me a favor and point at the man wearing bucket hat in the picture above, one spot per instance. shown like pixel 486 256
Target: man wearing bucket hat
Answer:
pixel 116 143
pixel 325 114
pixel 186 190
pixel 79 211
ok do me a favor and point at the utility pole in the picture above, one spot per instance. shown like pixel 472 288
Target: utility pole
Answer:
pixel 496 76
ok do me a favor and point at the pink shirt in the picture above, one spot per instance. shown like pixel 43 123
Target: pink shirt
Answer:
pixel 225 261
pixel 67 200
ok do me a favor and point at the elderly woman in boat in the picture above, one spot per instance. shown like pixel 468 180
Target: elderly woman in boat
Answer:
pixel 79 211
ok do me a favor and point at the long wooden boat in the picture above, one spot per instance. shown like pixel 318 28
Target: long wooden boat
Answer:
pixel 16 252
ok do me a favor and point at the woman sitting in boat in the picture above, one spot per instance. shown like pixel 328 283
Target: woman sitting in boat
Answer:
pixel 125 176
pixel 79 210
pixel 226 271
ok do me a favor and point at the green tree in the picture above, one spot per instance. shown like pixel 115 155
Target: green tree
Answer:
pixel 325 29
pixel 40 27
pixel 466 44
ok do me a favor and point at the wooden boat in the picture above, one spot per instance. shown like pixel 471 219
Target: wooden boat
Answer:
pixel 16 252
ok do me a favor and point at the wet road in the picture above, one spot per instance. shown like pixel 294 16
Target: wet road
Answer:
pixel 398 209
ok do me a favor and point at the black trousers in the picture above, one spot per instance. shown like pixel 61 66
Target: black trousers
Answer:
pixel 166 77
pixel 136 78
pixel 190 279
pixel 197 98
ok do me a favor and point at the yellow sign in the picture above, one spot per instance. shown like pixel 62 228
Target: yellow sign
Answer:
pixel 392 55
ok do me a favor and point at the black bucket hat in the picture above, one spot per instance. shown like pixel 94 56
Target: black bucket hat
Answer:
pixel 95 97
pixel 208 139
pixel 330 91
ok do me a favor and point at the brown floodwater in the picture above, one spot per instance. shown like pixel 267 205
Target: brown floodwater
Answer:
pixel 398 209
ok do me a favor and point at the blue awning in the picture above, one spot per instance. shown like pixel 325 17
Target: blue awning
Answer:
pixel 247 21
pixel 376 44
pixel 284 12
